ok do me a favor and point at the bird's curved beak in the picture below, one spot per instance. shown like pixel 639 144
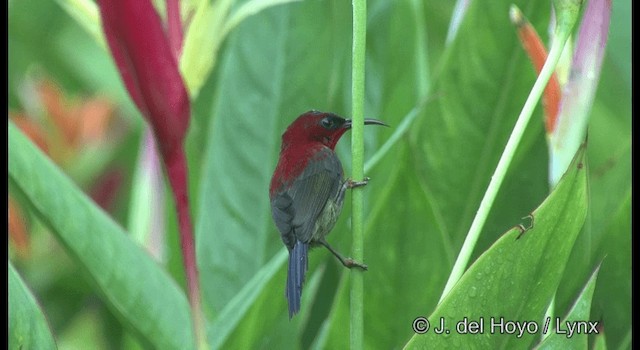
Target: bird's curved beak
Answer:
pixel 367 121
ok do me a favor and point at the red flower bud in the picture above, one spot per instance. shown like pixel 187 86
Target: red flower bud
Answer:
pixel 148 64
pixel 149 68
pixel 538 55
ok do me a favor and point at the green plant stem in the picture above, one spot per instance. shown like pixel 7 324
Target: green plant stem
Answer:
pixel 507 155
pixel 357 152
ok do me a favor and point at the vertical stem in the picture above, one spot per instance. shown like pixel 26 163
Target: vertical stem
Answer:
pixel 357 152
pixel 177 173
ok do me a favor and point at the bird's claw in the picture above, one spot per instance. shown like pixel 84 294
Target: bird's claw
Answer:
pixel 354 184
pixel 350 263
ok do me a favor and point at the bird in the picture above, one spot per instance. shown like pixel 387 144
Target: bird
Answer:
pixel 307 192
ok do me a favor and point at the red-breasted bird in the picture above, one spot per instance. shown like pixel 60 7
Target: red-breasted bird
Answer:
pixel 307 191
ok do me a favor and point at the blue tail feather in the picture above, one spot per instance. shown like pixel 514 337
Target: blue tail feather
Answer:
pixel 295 276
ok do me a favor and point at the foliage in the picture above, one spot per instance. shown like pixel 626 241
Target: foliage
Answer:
pixel 419 204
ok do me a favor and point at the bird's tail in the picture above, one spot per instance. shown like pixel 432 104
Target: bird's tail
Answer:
pixel 295 276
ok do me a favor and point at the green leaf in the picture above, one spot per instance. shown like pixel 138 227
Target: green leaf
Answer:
pixel 607 233
pixel 613 293
pixel 247 9
pixel 28 327
pixel 237 308
pixel 573 330
pixel 601 342
pixel 134 286
pixel 259 95
pixel 87 14
pixel 424 194
pixel 423 191
pixel 481 84
pixel 419 248
pixel 517 277
pixel 266 323
pixel 233 227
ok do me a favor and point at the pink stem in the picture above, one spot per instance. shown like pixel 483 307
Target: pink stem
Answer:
pixel 177 172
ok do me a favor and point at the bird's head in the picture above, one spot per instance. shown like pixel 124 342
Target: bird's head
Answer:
pixel 315 126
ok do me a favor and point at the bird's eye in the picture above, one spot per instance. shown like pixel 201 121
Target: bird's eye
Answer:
pixel 327 123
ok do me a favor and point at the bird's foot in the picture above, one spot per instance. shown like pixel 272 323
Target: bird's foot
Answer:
pixel 350 263
pixel 353 184
pixel 347 262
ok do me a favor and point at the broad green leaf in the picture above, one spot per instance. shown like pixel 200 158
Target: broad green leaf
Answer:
pixel 233 222
pixel 247 9
pixel 395 283
pixel 28 328
pixel 88 16
pixel 264 85
pixel 236 310
pixel 517 277
pixel 607 234
pixel 613 294
pixel 572 332
pixel 421 214
pixel 601 342
pixel 424 190
pixel 619 50
pixel 264 325
pixel 397 83
pixel 481 84
pixel 134 286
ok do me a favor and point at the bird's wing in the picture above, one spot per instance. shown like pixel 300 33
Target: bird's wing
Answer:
pixel 296 209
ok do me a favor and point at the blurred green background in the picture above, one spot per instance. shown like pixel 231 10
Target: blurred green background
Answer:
pixel 65 91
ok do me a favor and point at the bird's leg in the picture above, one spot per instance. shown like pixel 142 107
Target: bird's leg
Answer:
pixel 347 262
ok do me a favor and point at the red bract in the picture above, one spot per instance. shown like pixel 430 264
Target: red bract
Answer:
pixel 148 65
pixel 174 27
pixel 142 52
